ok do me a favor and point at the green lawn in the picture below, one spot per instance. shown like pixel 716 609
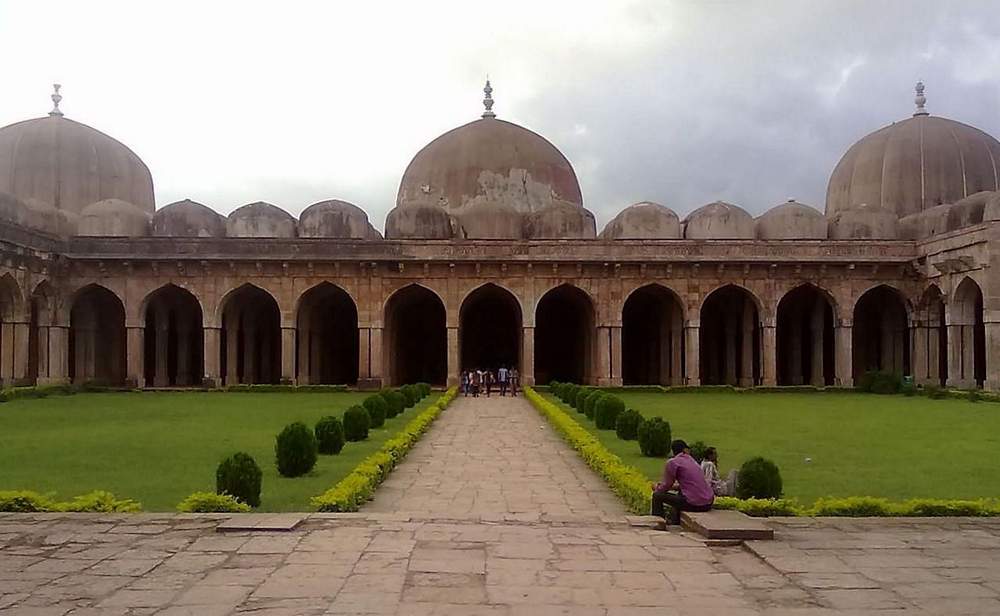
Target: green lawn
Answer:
pixel 859 444
pixel 159 447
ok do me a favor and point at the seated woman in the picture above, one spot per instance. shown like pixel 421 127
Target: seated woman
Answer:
pixel 710 467
pixel 693 494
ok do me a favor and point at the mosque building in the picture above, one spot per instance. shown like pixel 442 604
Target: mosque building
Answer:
pixel 490 258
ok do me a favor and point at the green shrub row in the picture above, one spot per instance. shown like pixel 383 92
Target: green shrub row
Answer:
pixel 358 487
pixel 98 501
pixel 626 481
pixel 210 502
pixel 267 388
pixel 863 506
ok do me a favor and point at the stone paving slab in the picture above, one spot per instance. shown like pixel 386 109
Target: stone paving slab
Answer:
pixel 282 522
pixel 721 524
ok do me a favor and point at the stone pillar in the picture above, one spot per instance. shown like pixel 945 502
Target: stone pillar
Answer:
pixel 956 355
pixel 232 351
pixel 843 353
pixel 161 353
pixel 184 333
pixel 603 376
pixel 376 375
pixel 302 352
pixel 769 354
pixel 921 355
pixel 287 355
pixel 816 330
pixel 135 347
pixel 992 351
pixel 527 367
pixel 692 354
pixel 21 338
pixel 747 348
pixel 454 368
pixel 213 354
pixel 43 354
pixel 58 353
pixel 6 353
pixel 616 357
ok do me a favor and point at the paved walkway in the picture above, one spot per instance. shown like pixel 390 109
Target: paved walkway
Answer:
pixel 490 514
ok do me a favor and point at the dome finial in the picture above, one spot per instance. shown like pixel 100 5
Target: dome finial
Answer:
pixel 56 98
pixel 920 100
pixel 488 100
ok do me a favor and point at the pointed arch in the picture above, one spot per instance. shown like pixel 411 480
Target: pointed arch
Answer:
pixel 930 338
pixel 653 337
pixel 804 337
pixel 250 346
pixel 881 335
pixel 416 337
pixel 174 338
pixel 967 336
pixel 730 337
pixel 565 327
pixel 97 336
pixel 326 326
pixel 489 331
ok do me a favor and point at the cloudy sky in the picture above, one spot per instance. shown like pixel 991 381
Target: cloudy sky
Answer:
pixel 680 102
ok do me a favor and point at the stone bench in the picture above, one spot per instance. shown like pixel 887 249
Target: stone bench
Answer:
pixel 726 524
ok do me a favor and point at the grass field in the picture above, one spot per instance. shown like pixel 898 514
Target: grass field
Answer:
pixel 159 447
pixel 859 444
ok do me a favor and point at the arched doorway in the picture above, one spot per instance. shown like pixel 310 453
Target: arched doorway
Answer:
pixel 489 330
pixel 416 337
pixel 968 336
pixel 327 332
pixel 173 338
pixel 652 337
pixel 805 338
pixel 881 335
pixel 97 337
pixel 564 334
pixel 8 329
pixel 251 337
pixel 930 339
pixel 730 338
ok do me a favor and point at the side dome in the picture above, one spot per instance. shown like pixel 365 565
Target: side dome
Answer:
pixel 791 221
pixel 644 220
pixel 260 219
pixel 719 221
pixel 335 219
pixel 492 220
pixel 561 221
pixel 864 222
pixel 916 164
pixel 113 218
pixel 425 222
pixel 68 166
pixel 188 219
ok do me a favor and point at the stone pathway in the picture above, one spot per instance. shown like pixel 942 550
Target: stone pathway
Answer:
pixel 491 514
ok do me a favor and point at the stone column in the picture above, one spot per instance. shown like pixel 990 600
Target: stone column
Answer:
pixel 21 338
pixel 232 351
pixel 769 354
pixel 748 351
pixel 183 354
pixel 161 353
pixel 212 352
pixel 43 354
pixel 287 355
pixel 692 354
pixel 364 353
pixel 376 375
pixel 135 347
pixel 956 355
pixel 603 376
pixel 6 353
pixel 454 368
pixel 303 371
pixel 843 353
pixel 58 352
pixel 817 328
pixel 921 355
pixel 616 357
pixel 992 328
pixel 527 367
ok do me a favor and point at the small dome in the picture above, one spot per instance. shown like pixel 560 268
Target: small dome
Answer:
pixel 915 164
pixel 864 222
pixel 719 221
pixel 68 166
pixel 492 220
pixel 791 221
pixel 969 211
pixel 426 222
pixel 559 221
pixel 645 220
pixel 188 219
pixel 991 211
pixel 113 218
pixel 44 217
pixel 260 220
pixel 924 224
pixel 336 219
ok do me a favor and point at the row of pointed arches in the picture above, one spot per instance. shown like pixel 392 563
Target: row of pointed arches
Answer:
pixel 656 338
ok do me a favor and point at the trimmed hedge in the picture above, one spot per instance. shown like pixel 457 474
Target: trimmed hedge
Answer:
pixel 208 502
pixel 239 476
pixel 395 400
pixel 357 487
pixel 606 411
pixel 759 478
pixel 329 435
pixel 295 450
pixel 98 501
pixel 627 425
pixel 377 409
pixel 654 437
pixel 356 424
pixel 590 402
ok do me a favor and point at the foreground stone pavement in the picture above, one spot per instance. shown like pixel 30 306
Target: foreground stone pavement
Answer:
pixel 491 514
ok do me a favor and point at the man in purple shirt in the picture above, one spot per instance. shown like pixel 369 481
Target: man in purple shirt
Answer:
pixel 693 492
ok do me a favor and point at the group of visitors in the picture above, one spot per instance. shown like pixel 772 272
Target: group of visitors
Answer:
pixel 688 485
pixel 475 382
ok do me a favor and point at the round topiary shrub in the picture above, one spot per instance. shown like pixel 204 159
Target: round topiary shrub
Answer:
pixel 607 410
pixel 590 405
pixel 759 478
pixel 569 393
pixel 296 450
pixel 579 398
pixel 425 390
pixel 356 423
pixel 329 435
pixel 377 410
pixel 395 400
pixel 409 395
pixel 654 437
pixel 239 476
pixel 698 449
pixel 627 425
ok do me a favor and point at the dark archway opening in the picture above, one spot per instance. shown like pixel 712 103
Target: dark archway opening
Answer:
pixel 881 337
pixel 730 338
pixel 97 338
pixel 417 338
pixel 327 337
pixel 931 340
pixel 490 329
pixel 652 338
pixel 174 340
pixel 564 333
pixel 970 332
pixel 805 346
pixel 251 337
